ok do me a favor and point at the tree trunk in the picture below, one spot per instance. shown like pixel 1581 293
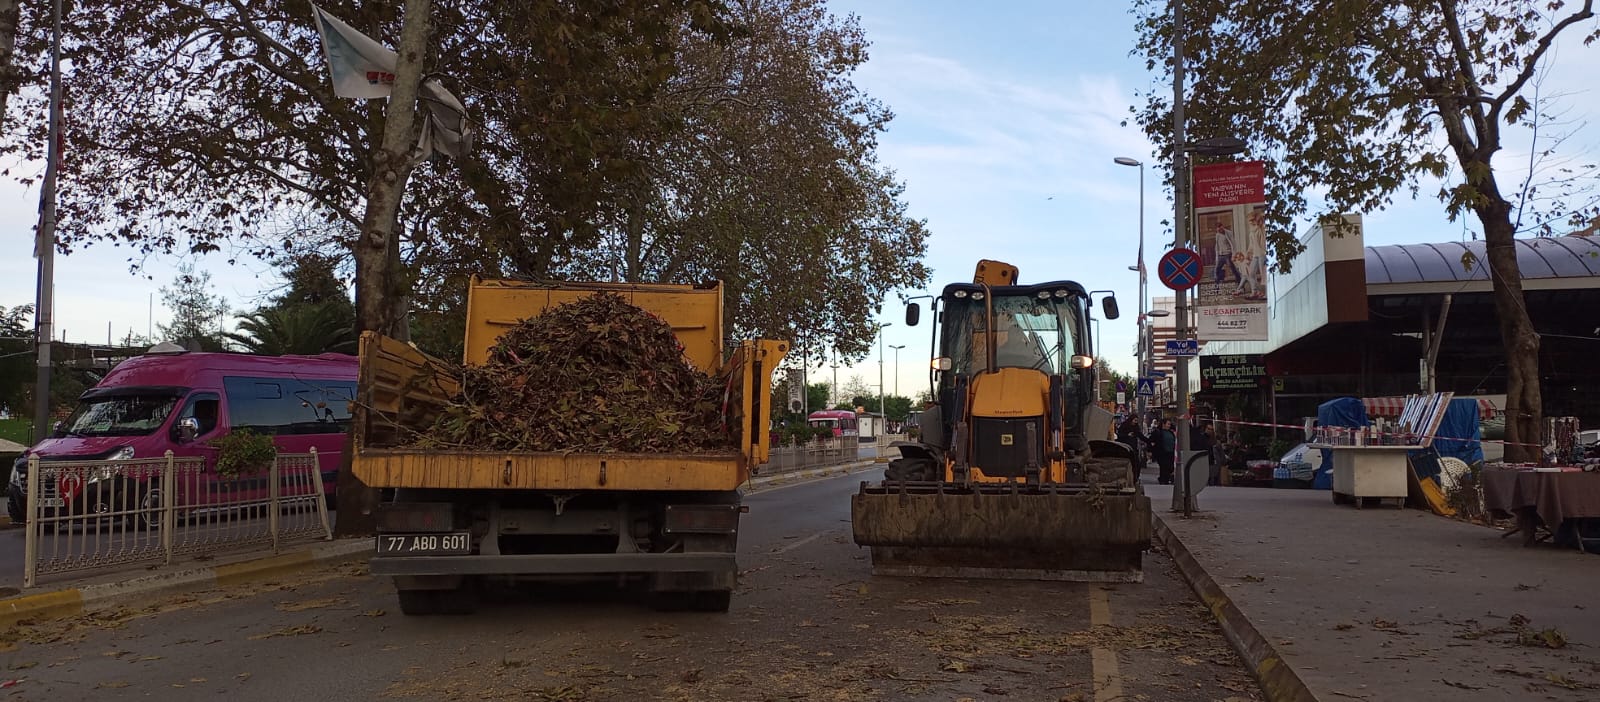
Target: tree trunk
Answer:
pixel 1524 404
pixel 10 77
pixel 380 287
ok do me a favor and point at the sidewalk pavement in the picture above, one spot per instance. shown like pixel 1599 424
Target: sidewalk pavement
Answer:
pixel 1330 602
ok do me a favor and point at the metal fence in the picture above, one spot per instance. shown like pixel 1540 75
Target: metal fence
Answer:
pixel 819 452
pixel 86 515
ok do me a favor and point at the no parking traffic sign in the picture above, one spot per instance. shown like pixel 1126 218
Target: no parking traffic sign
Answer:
pixel 1180 269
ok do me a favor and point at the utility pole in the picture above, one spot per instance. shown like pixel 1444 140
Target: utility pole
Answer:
pixel 1180 219
pixel 835 389
pixel 45 245
pixel 882 415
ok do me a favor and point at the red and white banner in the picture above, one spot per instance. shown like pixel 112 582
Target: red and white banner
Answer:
pixel 1229 231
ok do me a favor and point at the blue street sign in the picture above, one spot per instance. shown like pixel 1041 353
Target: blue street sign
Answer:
pixel 1158 373
pixel 1147 387
pixel 1183 347
pixel 1122 386
pixel 1180 269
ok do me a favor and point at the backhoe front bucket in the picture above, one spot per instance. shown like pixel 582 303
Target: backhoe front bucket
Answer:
pixel 1002 530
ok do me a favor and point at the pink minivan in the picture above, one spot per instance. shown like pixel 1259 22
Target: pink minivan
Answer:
pixel 182 401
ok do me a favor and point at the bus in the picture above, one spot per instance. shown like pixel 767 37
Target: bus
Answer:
pixel 842 422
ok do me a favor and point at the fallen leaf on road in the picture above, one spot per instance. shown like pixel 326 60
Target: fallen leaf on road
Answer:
pixel 373 613
pixel 862 590
pixel 1517 620
pixel 1557 679
pixel 25 665
pixel 692 676
pixel 1462 686
pixel 1343 626
pixel 1072 697
pixel 1549 638
pixel 955 667
pixel 112 684
pixel 1252 578
pixel 197 680
pixel 1188 660
pixel 951 601
pixel 143 659
pixel 309 604
pixel 1384 624
pixel 243 677
pixel 991 689
pixel 300 630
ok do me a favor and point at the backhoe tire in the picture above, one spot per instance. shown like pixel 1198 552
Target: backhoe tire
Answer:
pixel 909 470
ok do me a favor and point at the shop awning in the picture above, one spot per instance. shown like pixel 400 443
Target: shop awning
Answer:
pixel 1393 406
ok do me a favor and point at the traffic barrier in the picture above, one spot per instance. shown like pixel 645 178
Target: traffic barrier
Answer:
pixel 87 515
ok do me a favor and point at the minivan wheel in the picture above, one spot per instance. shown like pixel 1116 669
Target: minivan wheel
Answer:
pixel 149 516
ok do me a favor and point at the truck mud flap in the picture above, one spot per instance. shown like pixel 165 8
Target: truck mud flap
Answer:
pixel 1003 531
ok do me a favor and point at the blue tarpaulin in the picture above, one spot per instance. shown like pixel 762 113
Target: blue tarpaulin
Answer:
pixel 1458 437
pixel 1343 412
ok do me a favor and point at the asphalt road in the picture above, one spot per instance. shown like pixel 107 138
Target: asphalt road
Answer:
pixel 809 622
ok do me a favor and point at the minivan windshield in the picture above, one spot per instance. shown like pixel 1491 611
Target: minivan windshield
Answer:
pixel 121 415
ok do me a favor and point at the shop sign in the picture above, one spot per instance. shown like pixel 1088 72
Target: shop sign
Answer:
pixel 1237 372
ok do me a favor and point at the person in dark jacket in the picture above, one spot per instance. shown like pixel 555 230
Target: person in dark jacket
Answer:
pixel 1164 443
pixel 1130 434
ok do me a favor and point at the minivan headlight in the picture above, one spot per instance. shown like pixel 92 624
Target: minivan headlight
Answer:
pixel 110 472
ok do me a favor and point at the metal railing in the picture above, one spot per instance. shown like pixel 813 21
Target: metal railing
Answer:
pixel 87 515
pixel 819 452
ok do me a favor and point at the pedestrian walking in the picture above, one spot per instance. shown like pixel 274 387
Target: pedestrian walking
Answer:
pixel 1165 446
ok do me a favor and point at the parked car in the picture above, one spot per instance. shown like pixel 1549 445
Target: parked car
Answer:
pixel 1298 467
pixel 181 401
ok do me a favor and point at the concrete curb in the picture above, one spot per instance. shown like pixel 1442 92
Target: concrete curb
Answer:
pixel 765 482
pixel 70 602
pixel 1278 680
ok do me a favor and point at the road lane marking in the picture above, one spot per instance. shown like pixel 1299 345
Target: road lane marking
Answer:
pixel 1103 661
pixel 792 546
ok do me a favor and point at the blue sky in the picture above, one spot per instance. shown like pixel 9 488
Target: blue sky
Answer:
pixel 1007 119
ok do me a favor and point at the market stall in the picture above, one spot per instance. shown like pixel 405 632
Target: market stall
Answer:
pixel 1373 462
pixel 1559 497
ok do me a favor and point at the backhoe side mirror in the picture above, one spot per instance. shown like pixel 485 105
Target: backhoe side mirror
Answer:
pixel 913 314
pixel 1108 305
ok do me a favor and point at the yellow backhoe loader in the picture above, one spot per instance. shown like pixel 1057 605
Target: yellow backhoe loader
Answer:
pixel 1014 475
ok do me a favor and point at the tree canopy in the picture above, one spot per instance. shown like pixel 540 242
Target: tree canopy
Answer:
pixel 1353 103
pixel 643 140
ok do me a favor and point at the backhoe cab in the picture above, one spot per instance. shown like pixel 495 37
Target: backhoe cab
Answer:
pixel 1014 476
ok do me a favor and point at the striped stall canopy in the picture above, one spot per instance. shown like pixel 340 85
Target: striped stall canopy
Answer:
pixel 1393 406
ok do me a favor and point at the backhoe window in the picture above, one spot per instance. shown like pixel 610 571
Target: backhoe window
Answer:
pixel 1028 333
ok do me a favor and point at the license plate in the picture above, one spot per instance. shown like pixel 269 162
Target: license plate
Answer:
pixel 457 543
pixel 52 502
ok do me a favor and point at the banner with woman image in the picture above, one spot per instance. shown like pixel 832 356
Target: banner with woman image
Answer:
pixel 1231 236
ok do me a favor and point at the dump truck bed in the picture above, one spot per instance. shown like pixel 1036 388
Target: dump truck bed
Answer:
pixel 403 389
pixel 550 471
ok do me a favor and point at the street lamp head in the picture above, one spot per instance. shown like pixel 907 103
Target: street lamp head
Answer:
pixel 1216 146
pixel 1158 313
pixel 897 347
pixel 1125 161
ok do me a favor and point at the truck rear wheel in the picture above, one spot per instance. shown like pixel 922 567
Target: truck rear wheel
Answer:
pixel 711 600
pixel 422 603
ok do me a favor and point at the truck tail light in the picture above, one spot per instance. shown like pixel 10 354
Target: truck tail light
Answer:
pixel 702 519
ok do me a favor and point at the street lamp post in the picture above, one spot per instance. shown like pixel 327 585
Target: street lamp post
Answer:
pixel 882 414
pixel 1143 354
pixel 896 369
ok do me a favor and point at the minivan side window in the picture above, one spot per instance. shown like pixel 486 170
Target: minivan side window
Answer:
pixel 203 407
pixel 289 405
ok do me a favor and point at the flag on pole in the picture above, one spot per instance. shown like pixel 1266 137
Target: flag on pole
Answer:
pixel 364 69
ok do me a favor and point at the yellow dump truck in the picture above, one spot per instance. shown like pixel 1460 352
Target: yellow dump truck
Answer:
pixel 453 518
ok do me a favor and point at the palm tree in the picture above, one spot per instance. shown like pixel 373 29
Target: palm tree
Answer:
pixel 297 329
